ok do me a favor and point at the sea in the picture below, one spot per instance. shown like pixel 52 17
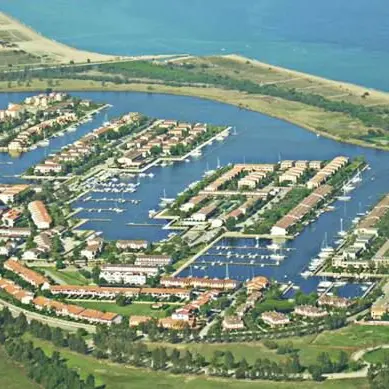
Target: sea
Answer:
pixel 337 39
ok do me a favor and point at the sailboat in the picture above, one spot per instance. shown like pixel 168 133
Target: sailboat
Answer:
pixel 357 178
pixel 342 232
pixel 234 131
pixel 166 200
pixel 208 171
pixel 44 142
pixel 326 250
pixel 360 212
pixel 218 165
pixel 106 121
pixel 344 197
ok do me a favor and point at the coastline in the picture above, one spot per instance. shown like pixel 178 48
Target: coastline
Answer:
pixel 235 98
pixel 323 123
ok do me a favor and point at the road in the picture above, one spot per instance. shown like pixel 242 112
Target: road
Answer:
pixel 51 321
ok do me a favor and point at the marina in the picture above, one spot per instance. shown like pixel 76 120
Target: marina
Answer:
pixel 248 257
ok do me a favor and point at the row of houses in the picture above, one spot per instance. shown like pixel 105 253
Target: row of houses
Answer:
pixel 365 234
pixel 82 148
pixel 42 303
pixel 288 164
pixel 242 210
pixel 237 170
pixel 166 322
pixel 307 205
pixel 128 274
pixel 32 277
pixel 43 100
pixel 199 282
pixel 173 134
pixel 369 223
pixel 292 175
pixel 87 291
pixel 254 288
pixel 76 312
pixel 327 171
pixel 25 138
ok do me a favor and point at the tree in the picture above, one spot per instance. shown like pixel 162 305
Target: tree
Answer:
pixel 229 361
pixel 121 300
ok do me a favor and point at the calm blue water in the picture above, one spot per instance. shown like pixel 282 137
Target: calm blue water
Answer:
pixel 260 138
pixel 345 40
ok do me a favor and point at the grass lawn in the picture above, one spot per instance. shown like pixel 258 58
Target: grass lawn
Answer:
pixel 13 376
pixel 308 350
pixel 128 310
pixel 115 376
pixel 68 277
pixel 354 337
pixel 377 356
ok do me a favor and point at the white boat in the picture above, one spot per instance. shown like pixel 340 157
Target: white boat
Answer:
pixel 273 246
pixel 342 232
pixel 306 274
pixel 196 153
pixel 43 143
pixel 357 178
pixel 166 200
pixel 277 257
pixel 72 129
pixel 152 213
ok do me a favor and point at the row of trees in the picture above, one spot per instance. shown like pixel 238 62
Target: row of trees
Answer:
pixel 49 372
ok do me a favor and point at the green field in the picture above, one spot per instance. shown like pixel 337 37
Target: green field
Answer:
pixel 128 310
pixel 13 376
pixel 354 337
pixel 119 377
pixel 306 347
pixel 68 277
pixel 377 356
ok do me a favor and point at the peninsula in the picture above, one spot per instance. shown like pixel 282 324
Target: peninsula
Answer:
pixel 338 110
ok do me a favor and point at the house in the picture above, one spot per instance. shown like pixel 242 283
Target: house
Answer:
pixel 310 311
pixel 194 201
pixel 11 216
pixel 14 232
pixel 131 244
pixel 136 320
pixel 275 319
pixel 93 248
pixel 172 324
pixel 232 323
pixel 257 284
pixel 153 260
pixel 128 274
pixel 39 215
pixel 9 194
pixel 204 213
pixel 48 167
pixel 334 301
pixel 182 314
pixel 379 309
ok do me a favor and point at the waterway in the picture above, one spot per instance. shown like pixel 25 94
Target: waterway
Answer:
pixel 259 139
pixel 339 39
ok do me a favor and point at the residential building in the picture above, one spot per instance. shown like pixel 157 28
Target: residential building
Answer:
pixel 40 215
